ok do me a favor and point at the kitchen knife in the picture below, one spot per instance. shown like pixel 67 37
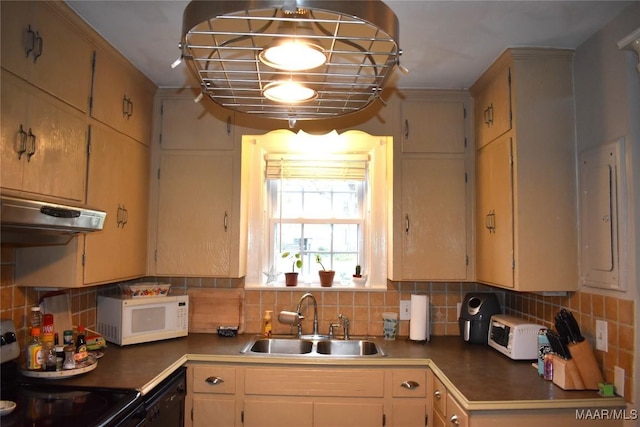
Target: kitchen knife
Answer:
pixel 558 345
pixel 563 329
pixel 573 326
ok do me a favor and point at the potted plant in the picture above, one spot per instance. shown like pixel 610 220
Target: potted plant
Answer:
pixel 358 278
pixel 291 278
pixel 358 271
pixel 326 276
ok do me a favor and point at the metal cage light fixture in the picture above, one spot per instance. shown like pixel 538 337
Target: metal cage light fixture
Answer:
pixel 343 54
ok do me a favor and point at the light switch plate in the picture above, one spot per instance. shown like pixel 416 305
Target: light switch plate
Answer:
pixel 602 336
pixel 405 310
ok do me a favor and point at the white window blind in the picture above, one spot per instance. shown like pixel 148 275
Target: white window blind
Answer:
pixel 304 166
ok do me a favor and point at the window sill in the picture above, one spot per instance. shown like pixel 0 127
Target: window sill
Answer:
pixel 315 287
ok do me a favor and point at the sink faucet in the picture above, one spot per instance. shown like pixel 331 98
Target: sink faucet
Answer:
pixel 315 313
pixel 345 325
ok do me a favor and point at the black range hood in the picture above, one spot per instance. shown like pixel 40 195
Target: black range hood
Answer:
pixel 35 223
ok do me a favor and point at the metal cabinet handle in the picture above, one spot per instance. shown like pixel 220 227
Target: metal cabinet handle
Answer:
pixel 32 150
pixel 228 125
pixel 125 104
pixel 406 224
pixel 410 385
pixel 454 420
pixel 125 216
pixel 437 394
pixel 40 45
pixel 214 380
pixel 129 108
pixel 406 128
pixel 226 221
pixel 23 142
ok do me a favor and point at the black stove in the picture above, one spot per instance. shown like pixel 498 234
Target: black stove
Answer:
pixel 50 404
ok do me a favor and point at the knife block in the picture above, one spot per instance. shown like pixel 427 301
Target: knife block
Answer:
pixel 565 374
pixel 585 361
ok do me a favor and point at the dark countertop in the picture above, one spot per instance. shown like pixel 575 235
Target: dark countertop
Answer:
pixel 480 377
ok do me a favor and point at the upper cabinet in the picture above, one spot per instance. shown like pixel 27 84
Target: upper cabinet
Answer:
pixel 122 97
pixel 432 213
pixel 43 143
pixel 526 210
pixel 42 46
pixel 196 219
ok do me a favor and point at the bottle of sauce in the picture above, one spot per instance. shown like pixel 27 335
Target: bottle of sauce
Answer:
pixel 267 324
pixel 35 357
pixel 81 346
pixel 47 329
pixel 35 318
pixel 49 356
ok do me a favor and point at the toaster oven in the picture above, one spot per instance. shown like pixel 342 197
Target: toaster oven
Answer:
pixel 514 337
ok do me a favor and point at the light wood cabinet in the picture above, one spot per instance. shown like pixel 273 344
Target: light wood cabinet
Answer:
pixel 118 180
pixel 314 396
pixel 196 185
pixel 41 45
pixel 447 412
pixel 44 143
pixel 432 225
pixel 539 177
pixel 493 108
pixel 121 98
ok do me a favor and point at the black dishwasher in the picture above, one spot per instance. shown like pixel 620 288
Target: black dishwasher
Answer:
pixel 164 405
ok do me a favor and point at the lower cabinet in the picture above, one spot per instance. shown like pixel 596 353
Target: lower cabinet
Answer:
pixel 288 395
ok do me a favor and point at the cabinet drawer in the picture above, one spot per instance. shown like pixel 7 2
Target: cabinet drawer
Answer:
pixel 456 416
pixel 439 396
pixel 409 382
pixel 214 379
pixel 314 382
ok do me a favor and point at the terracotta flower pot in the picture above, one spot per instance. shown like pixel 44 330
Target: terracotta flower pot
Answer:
pixel 326 277
pixel 291 279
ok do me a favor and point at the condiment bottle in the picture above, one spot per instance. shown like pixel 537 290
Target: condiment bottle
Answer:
pixel 81 346
pixel 49 355
pixel 34 351
pixel 267 323
pixel 47 329
pixel 69 357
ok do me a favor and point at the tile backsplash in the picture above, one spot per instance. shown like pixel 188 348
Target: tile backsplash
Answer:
pixel 364 309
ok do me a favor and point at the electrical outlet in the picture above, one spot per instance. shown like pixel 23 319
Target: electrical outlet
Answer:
pixel 602 341
pixel 405 310
pixel 618 374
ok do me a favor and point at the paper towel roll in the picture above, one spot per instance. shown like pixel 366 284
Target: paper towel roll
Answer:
pixel 419 324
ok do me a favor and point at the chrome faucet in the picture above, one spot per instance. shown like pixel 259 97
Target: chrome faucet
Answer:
pixel 315 313
pixel 345 326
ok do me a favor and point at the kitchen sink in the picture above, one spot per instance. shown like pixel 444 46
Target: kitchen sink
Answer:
pixel 312 347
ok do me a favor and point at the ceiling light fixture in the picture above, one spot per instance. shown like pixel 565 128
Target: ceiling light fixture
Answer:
pixel 235 47
pixel 288 91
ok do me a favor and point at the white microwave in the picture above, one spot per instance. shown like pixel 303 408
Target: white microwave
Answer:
pixel 124 321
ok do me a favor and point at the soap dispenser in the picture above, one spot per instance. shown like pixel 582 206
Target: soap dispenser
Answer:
pixel 267 323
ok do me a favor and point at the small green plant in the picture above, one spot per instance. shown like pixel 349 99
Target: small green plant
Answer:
pixel 319 261
pixel 358 271
pixel 296 260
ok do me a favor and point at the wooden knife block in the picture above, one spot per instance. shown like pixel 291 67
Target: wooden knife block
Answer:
pixel 581 372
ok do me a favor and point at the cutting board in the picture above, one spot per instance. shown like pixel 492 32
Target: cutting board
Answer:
pixel 210 308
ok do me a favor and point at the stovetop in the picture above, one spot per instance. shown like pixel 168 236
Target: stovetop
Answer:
pixel 43 402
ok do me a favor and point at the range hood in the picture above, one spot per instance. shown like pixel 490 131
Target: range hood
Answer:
pixel 36 223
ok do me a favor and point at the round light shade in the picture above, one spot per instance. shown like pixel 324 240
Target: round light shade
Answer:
pixel 293 55
pixel 288 91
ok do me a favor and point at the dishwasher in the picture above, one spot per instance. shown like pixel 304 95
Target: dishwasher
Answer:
pixel 164 405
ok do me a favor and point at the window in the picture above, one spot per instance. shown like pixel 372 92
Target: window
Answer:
pixel 323 217
pixel 317 195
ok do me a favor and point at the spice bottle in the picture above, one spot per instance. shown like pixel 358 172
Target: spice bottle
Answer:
pixel 267 323
pixel 35 318
pixel 34 351
pixel 81 346
pixel 49 356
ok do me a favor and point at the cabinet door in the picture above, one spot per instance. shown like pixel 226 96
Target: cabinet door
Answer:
pixel 431 126
pixel 189 125
pixel 209 411
pixel 194 214
pixel 493 108
pixel 456 416
pixel 494 212
pixel 434 239
pixel 278 413
pixel 118 183
pixel 348 414
pixel 409 413
pixel 59 59
pixel 120 99
pixel 54 137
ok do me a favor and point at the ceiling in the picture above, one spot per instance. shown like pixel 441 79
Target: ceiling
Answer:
pixel 446 44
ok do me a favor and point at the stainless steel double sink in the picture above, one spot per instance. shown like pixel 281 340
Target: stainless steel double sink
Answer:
pixel 312 346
